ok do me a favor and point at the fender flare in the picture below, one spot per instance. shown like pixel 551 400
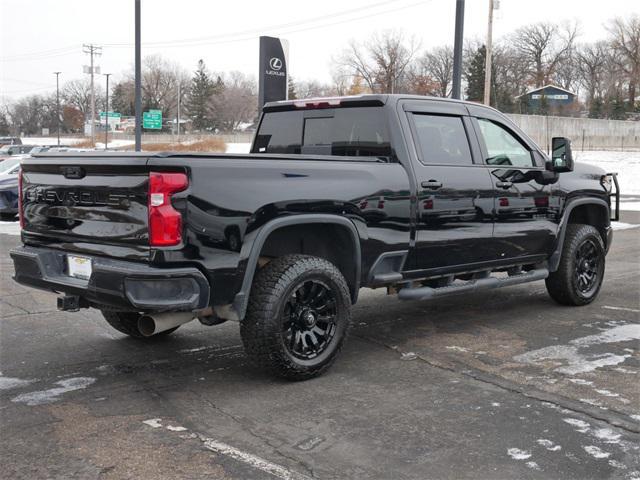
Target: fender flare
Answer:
pixel 554 259
pixel 241 299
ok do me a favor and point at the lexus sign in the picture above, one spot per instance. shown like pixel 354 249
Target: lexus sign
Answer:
pixel 273 70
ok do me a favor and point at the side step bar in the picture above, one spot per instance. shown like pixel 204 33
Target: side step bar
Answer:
pixel 427 293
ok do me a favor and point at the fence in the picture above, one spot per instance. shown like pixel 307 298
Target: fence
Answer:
pixel 585 133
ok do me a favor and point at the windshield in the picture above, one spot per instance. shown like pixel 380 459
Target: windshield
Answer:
pixel 346 132
pixel 9 164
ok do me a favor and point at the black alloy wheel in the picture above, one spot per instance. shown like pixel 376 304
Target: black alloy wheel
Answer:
pixel 309 319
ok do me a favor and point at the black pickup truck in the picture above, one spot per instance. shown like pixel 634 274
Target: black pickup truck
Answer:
pixel 426 197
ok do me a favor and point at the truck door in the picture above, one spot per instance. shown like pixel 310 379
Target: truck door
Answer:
pixel 454 224
pixel 525 211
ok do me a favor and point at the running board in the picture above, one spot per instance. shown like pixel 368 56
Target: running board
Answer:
pixel 427 293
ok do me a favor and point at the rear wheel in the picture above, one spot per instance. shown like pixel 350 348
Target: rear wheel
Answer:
pixel 581 271
pixel 127 323
pixel 298 317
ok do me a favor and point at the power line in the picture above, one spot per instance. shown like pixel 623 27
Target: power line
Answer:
pixel 285 28
pixel 58 52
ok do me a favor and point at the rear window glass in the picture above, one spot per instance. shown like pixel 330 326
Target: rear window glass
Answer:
pixel 353 132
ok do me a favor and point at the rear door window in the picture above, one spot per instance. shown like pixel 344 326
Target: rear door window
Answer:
pixel 441 140
pixel 348 132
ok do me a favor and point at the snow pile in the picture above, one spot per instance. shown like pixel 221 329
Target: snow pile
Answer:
pixel 625 164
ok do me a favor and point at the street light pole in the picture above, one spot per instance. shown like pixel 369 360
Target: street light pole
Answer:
pixel 106 111
pixel 457 51
pixel 138 78
pixel 57 74
pixel 487 60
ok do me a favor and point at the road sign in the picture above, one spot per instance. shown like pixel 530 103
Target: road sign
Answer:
pixel 110 114
pixel 114 118
pixel 152 119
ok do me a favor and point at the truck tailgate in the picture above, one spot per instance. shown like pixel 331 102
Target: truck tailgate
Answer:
pixel 91 204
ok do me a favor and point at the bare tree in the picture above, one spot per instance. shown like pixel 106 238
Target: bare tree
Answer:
pixel 77 93
pixel 160 82
pixel 592 60
pixel 625 41
pixel 438 64
pixel 381 62
pixel 237 102
pixel 543 46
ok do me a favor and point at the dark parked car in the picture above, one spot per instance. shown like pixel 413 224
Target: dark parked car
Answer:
pixel 427 197
pixel 10 150
pixel 10 141
pixel 9 170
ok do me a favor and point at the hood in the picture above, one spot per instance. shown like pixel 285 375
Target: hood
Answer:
pixel 8 182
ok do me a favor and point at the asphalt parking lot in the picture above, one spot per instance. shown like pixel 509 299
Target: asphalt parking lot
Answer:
pixel 504 384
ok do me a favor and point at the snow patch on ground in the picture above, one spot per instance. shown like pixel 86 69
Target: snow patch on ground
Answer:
pixel 596 452
pixel 176 428
pixel 7 383
pixel 51 140
pixel 548 444
pixel 518 454
pixel 583 426
pixel 51 395
pixel 153 422
pixel 607 435
pixel 10 228
pixel 626 164
pixel 238 147
pixel 624 226
pixel 576 362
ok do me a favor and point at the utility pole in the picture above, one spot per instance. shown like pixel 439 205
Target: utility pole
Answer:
pixel 457 51
pixel 138 78
pixel 92 50
pixel 179 102
pixel 57 74
pixel 106 126
pixel 487 60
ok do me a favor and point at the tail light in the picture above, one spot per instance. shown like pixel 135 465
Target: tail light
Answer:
pixel 428 204
pixel 20 202
pixel 165 222
pixel 380 204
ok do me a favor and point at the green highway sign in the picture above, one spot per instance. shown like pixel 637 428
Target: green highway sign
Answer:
pixel 152 119
pixel 110 114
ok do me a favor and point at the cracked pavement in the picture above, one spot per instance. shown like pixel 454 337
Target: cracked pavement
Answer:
pixel 501 384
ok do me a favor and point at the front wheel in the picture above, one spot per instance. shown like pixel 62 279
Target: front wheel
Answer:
pixel 581 271
pixel 298 317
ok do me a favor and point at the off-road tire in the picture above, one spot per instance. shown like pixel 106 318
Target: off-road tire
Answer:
pixel 127 323
pixel 562 284
pixel 262 328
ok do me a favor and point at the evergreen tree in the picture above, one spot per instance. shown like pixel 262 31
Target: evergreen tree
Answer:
pixel 475 76
pixel 200 92
pixel 617 109
pixel 596 110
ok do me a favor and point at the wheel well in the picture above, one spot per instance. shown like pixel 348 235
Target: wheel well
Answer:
pixel 591 214
pixel 329 241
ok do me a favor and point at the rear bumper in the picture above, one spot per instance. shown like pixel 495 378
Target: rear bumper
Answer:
pixel 114 283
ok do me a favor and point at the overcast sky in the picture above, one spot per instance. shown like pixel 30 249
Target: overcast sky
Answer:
pixel 39 37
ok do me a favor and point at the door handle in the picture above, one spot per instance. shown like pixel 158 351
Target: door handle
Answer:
pixel 504 185
pixel 432 184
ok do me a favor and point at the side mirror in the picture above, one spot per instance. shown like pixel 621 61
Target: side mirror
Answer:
pixel 561 155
